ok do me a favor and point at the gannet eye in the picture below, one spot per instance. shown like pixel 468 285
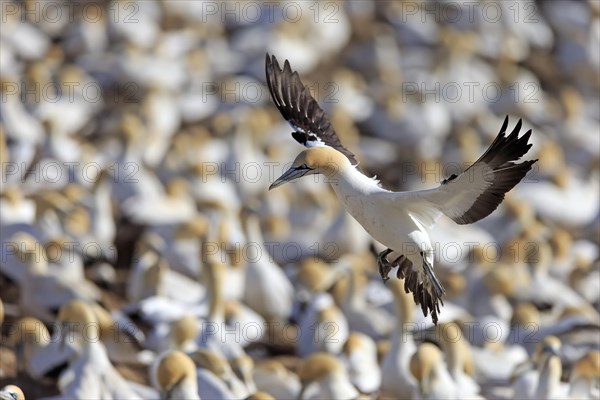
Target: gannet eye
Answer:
pixel 304 166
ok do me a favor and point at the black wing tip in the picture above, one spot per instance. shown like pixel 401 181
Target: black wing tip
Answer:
pixel 504 125
pixel 506 149
pixel 488 201
pixel 270 62
pixel 271 59
pixel 518 125
pixel 273 69
pixel 500 157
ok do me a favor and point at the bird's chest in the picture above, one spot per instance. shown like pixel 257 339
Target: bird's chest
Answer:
pixel 369 213
pixel 384 223
pixel 364 211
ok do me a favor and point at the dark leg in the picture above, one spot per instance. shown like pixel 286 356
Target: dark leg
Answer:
pixel 384 265
pixel 437 286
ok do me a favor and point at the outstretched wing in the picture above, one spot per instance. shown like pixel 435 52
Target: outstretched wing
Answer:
pixel 475 193
pixel 300 109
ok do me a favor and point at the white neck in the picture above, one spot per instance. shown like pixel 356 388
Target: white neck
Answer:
pixel 216 312
pixel 354 298
pixel 338 386
pixel 549 380
pixel 350 181
pixel 187 389
pixel 403 342
pixel 441 381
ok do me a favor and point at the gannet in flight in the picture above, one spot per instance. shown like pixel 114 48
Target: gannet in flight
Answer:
pixel 398 220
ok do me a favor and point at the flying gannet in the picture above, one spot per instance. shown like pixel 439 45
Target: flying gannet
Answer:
pixel 398 220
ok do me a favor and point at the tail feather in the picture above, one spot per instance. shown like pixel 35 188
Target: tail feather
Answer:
pixel 426 288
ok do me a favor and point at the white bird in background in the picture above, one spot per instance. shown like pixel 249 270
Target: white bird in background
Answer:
pixel 163 119
pixel 583 375
pixel 38 353
pixel 268 290
pixel 41 290
pixel 176 334
pixel 174 375
pixel 90 373
pixel 359 354
pixel 245 321
pixel 11 392
pixel 146 270
pixel 176 205
pixel 397 380
pixel 544 382
pixel 103 223
pixel 459 358
pixel 122 341
pixel 15 207
pixel 497 361
pixel 212 336
pixel 182 248
pixel 398 220
pixel 322 327
pixel 242 367
pixel 230 245
pixel 273 377
pixel 215 378
pixel 429 367
pixel 363 317
pixel 323 376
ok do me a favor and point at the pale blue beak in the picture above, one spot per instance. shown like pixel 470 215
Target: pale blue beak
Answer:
pixel 290 175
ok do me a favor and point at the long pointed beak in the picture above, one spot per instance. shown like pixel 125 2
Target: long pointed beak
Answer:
pixel 290 175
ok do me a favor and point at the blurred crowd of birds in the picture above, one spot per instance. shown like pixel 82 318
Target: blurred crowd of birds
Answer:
pixel 138 140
